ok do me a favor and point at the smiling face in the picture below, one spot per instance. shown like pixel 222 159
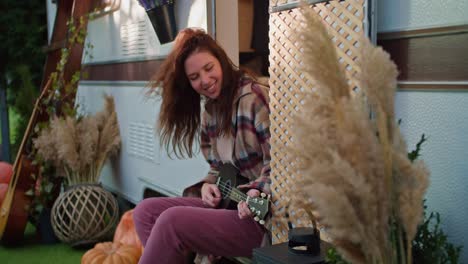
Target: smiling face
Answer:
pixel 204 73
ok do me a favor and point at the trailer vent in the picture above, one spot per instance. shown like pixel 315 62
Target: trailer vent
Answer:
pixel 134 38
pixel 142 143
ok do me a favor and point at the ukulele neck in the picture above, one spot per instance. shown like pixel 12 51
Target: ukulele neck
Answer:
pixel 237 196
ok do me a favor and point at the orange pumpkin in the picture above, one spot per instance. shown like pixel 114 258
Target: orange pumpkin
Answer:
pixel 111 253
pixel 125 232
pixel 6 171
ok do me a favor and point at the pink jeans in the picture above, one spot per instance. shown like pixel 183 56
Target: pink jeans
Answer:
pixel 171 227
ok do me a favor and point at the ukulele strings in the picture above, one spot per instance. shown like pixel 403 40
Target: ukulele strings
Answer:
pixel 226 189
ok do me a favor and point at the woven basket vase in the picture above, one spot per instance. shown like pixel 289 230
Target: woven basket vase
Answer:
pixel 84 214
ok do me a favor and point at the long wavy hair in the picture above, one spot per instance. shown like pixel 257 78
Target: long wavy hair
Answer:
pixel 179 123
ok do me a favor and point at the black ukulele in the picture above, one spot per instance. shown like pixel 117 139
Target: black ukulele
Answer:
pixel 228 179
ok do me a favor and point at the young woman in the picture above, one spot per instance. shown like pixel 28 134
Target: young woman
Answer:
pixel 205 98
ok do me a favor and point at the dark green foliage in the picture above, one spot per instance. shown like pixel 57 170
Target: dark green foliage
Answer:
pixel 23 27
pixel 334 257
pixel 431 244
pixel 413 155
pixel 23 104
pixel 45 192
pixel 24 32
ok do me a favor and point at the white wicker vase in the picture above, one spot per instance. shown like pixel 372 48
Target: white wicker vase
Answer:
pixel 84 214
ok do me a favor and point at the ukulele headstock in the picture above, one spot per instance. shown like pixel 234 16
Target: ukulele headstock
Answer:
pixel 259 206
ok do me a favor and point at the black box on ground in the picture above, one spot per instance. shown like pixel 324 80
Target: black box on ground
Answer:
pixel 279 254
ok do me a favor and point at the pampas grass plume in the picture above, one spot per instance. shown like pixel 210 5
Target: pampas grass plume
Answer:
pixel 377 77
pixel 109 140
pixel 355 177
pixel 68 150
pixel 79 146
pixel 318 47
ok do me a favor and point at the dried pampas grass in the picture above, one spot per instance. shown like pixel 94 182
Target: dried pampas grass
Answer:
pixel 355 174
pixel 79 146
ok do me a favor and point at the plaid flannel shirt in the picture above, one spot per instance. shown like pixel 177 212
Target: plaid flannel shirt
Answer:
pixel 252 138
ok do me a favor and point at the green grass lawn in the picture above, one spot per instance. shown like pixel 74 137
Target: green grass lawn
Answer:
pixel 32 251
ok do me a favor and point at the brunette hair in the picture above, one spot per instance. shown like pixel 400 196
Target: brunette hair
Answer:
pixel 180 114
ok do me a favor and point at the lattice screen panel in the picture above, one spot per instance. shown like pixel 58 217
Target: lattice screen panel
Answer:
pixel 344 21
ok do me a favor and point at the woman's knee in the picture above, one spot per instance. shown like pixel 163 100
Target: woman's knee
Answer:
pixel 147 211
pixel 177 221
pixel 171 216
pixel 140 210
pixel 168 227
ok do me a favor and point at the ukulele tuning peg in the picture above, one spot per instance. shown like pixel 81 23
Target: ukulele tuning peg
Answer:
pixel 263 195
pixel 262 222
pixel 257 219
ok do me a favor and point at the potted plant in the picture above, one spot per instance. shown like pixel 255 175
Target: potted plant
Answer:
pixel 78 148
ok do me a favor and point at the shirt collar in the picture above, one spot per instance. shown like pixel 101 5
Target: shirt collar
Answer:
pixel 244 89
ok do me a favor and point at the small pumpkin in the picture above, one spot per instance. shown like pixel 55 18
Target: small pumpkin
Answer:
pixel 125 232
pixel 111 253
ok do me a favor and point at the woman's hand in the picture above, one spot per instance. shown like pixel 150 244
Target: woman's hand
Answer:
pixel 242 207
pixel 211 195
